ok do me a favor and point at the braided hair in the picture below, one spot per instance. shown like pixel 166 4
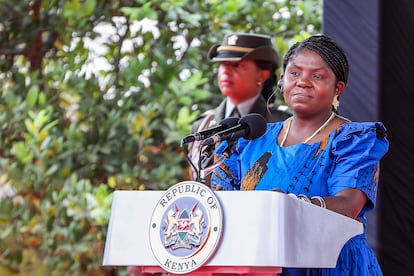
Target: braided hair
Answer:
pixel 329 51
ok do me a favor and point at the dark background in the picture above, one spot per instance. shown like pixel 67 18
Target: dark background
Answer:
pixel 378 36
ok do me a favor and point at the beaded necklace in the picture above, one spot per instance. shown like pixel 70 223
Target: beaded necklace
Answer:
pixel 310 137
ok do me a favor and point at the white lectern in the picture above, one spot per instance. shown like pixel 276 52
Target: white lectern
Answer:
pixel 263 231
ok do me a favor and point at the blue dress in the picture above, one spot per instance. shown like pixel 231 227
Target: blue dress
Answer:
pixel 348 158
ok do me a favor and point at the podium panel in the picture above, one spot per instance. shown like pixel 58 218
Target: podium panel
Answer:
pixel 263 231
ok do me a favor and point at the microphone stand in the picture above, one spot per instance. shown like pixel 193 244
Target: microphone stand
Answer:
pixel 186 155
pixel 203 160
pixel 227 152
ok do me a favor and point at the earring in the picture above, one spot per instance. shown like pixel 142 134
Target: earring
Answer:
pixel 335 102
pixel 259 83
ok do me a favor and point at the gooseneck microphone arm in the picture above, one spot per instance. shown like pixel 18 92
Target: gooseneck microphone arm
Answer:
pixel 250 127
pixel 203 151
pixel 198 136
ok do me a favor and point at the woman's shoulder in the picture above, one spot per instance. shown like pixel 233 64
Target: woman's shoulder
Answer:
pixel 357 137
pixel 274 125
pixel 273 129
pixel 369 129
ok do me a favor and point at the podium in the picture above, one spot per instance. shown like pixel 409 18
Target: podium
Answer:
pixel 263 231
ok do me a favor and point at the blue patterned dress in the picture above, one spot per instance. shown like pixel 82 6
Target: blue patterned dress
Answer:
pixel 348 158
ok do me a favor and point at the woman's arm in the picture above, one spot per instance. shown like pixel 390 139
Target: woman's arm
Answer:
pixel 348 202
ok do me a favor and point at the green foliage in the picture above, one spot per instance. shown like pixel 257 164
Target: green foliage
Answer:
pixel 96 96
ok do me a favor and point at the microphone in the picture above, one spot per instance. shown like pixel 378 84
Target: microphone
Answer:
pixel 198 136
pixel 250 127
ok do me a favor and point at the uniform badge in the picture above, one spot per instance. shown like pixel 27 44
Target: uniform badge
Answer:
pixel 186 226
pixel 232 40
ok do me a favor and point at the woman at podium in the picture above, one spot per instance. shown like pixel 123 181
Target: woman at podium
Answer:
pixel 315 155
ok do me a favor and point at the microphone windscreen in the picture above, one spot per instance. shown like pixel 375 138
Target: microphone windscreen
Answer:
pixel 256 125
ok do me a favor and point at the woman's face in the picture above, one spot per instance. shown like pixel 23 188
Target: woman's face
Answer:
pixel 309 84
pixel 239 79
